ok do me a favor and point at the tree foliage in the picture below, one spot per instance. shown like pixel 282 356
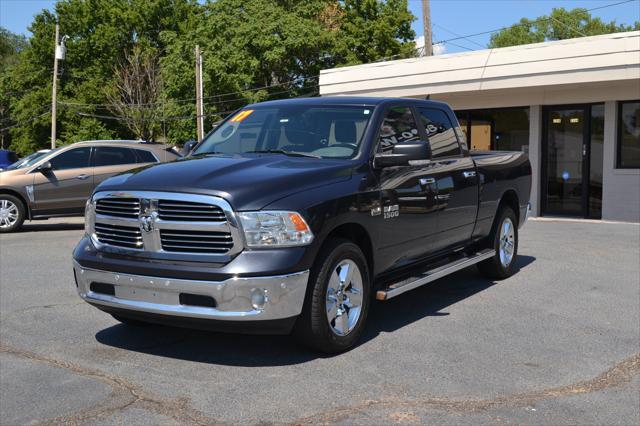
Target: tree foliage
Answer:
pixel 561 24
pixel 253 50
pixel 135 95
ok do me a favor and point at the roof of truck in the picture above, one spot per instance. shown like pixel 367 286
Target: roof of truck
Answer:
pixel 342 100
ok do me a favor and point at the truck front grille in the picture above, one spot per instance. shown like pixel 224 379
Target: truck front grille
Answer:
pixel 166 225
pixel 196 241
pixel 118 207
pixel 119 236
pixel 189 211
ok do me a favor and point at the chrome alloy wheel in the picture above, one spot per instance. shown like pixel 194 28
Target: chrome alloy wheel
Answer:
pixel 8 214
pixel 507 242
pixel 344 297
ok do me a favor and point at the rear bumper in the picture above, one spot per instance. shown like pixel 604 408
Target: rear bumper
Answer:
pixel 161 297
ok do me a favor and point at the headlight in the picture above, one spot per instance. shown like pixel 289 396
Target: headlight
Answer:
pixel 89 217
pixel 275 229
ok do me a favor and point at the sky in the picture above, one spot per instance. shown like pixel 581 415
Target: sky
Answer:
pixel 449 18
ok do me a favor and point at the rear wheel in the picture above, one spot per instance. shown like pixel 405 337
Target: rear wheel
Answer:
pixel 337 303
pixel 504 239
pixel 12 213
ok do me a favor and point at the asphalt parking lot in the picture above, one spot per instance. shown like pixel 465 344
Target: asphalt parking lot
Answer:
pixel 558 343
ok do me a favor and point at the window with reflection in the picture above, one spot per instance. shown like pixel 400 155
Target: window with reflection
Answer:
pixel 629 135
pixel 502 129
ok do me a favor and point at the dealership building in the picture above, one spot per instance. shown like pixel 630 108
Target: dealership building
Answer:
pixel 572 105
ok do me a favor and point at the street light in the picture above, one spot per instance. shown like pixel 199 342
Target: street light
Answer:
pixel 60 54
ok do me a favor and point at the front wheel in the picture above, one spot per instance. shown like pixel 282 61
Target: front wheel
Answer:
pixel 505 242
pixel 12 213
pixel 337 303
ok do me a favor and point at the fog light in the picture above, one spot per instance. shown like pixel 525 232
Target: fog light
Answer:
pixel 258 298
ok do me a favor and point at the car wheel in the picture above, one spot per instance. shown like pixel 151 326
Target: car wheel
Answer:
pixel 12 213
pixel 504 237
pixel 337 303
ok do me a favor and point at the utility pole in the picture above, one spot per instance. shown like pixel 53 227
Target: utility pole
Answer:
pixel 54 89
pixel 199 91
pixel 426 21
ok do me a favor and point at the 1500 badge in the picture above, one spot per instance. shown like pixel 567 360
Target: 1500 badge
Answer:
pixel 391 211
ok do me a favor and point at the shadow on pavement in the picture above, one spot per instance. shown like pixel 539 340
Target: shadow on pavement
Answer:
pixel 254 351
pixel 37 226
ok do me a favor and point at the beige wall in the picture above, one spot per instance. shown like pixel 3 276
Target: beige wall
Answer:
pixel 621 187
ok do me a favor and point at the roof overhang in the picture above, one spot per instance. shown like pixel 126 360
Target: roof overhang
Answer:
pixel 581 61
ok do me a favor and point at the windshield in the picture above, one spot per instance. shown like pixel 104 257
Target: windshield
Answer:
pixel 315 131
pixel 28 161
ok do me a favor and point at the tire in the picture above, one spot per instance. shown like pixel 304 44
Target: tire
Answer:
pixel 129 321
pixel 338 299
pixel 12 213
pixel 504 238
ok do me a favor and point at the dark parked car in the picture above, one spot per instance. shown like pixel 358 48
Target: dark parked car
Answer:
pixel 295 214
pixel 58 182
pixel 7 158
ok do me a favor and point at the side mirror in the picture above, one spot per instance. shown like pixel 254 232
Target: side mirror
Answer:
pixel 188 147
pixel 45 167
pixel 403 152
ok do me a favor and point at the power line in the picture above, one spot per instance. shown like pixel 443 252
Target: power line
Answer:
pixel 169 102
pixel 549 18
pixel 458 35
pixel 29 120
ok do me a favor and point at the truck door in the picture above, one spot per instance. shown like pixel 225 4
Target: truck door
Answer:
pixel 456 179
pixel 407 213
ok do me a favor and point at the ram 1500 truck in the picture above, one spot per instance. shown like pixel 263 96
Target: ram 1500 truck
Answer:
pixel 293 215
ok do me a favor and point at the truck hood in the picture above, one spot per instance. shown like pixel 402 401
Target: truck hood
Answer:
pixel 247 181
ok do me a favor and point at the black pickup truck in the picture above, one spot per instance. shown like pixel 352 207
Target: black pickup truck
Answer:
pixel 293 215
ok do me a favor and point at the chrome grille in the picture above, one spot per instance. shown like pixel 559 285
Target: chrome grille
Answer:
pixel 196 241
pixel 120 236
pixel 118 207
pixel 165 225
pixel 189 211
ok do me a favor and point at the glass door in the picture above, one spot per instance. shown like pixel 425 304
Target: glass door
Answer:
pixel 565 154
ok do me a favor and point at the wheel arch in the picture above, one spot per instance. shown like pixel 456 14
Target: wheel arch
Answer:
pixel 510 198
pixel 20 197
pixel 356 233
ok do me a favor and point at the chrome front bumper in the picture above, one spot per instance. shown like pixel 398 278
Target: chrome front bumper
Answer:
pixel 284 295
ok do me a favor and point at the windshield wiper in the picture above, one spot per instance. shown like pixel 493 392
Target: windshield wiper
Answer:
pixel 281 151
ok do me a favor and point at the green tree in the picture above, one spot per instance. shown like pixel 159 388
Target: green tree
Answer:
pixel 10 47
pixel 254 50
pixel 559 25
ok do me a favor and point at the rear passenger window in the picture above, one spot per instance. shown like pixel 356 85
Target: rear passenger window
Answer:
pixel 145 156
pixel 398 126
pixel 440 132
pixel 113 156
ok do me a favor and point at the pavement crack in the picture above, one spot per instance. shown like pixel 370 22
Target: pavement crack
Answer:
pixel 47 306
pixel 618 375
pixel 124 394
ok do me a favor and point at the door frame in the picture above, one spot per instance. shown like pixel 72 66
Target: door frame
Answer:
pixel 586 157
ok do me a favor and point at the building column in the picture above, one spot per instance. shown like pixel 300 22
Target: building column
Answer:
pixel 535 155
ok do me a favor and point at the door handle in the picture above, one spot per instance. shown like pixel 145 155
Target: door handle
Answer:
pixel 82 177
pixel 469 174
pixel 427 181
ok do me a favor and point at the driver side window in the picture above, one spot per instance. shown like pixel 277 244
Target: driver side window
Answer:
pixel 73 159
pixel 399 125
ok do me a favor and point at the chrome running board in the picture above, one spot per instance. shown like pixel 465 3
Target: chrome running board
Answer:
pixel 400 287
